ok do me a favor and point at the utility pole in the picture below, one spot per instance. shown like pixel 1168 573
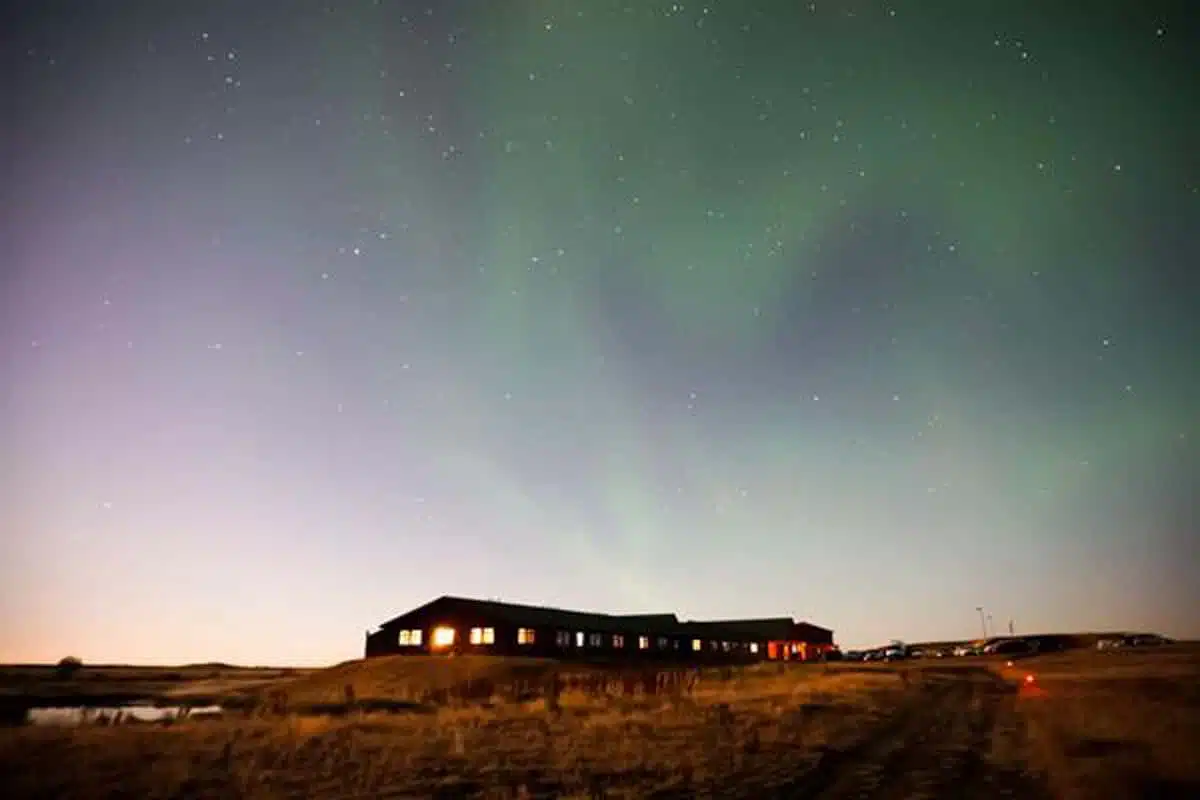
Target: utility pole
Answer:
pixel 982 620
pixel 991 626
pixel 1010 627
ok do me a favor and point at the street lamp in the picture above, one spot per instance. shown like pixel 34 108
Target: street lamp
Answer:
pixel 982 620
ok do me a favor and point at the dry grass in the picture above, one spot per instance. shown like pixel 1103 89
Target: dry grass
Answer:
pixel 754 729
pixel 1113 725
pixel 1093 725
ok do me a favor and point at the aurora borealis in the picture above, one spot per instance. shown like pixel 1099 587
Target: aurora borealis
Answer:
pixel 867 312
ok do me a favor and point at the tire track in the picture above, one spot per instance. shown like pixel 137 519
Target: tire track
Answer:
pixel 935 745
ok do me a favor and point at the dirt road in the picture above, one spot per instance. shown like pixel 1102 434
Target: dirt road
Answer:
pixel 956 734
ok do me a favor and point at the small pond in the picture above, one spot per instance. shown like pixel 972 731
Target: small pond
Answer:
pixel 84 715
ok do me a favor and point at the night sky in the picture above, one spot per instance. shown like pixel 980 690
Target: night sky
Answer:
pixel 866 312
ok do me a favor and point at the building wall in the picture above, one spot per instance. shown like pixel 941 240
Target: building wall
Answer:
pixel 547 643
pixel 595 645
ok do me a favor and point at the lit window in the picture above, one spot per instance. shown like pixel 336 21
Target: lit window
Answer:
pixel 415 637
pixel 483 635
pixel 525 636
pixel 443 637
pixel 618 641
pixel 579 640
pixel 643 642
pixel 596 640
pixel 562 638
pixel 754 647
pixel 404 637
pixel 410 637
pixel 697 645
pixel 725 646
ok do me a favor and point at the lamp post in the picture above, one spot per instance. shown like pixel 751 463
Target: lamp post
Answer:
pixel 982 620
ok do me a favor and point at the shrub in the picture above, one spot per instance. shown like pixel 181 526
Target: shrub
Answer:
pixel 67 667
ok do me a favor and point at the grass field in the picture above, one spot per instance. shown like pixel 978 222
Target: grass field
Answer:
pixel 1119 724
pixel 1090 725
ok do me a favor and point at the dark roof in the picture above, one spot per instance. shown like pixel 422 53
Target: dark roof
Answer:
pixel 768 628
pixel 521 614
pixel 651 624
pixel 652 619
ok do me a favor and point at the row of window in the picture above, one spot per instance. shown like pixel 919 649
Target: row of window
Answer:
pixel 444 637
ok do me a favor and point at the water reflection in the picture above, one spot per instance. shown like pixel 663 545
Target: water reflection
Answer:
pixel 114 715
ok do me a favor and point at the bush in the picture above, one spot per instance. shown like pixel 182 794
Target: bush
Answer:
pixel 67 667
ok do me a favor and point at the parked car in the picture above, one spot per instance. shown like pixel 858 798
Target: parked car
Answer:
pixel 1010 647
pixel 1147 640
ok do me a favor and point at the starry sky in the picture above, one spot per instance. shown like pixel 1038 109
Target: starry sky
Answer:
pixel 868 312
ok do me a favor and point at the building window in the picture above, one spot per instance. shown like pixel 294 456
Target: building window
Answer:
pixel 643 642
pixel 410 637
pixel 675 644
pixel 579 639
pixel 662 643
pixel 596 640
pixel 715 644
pixel 525 636
pixel 754 647
pixel 618 641
pixel 697 645
pixel 483 635
pixel 562 638
pixel 443 637
pixel 726 646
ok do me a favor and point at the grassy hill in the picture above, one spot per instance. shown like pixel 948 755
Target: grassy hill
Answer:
pixel 410 678
pixel 411 682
